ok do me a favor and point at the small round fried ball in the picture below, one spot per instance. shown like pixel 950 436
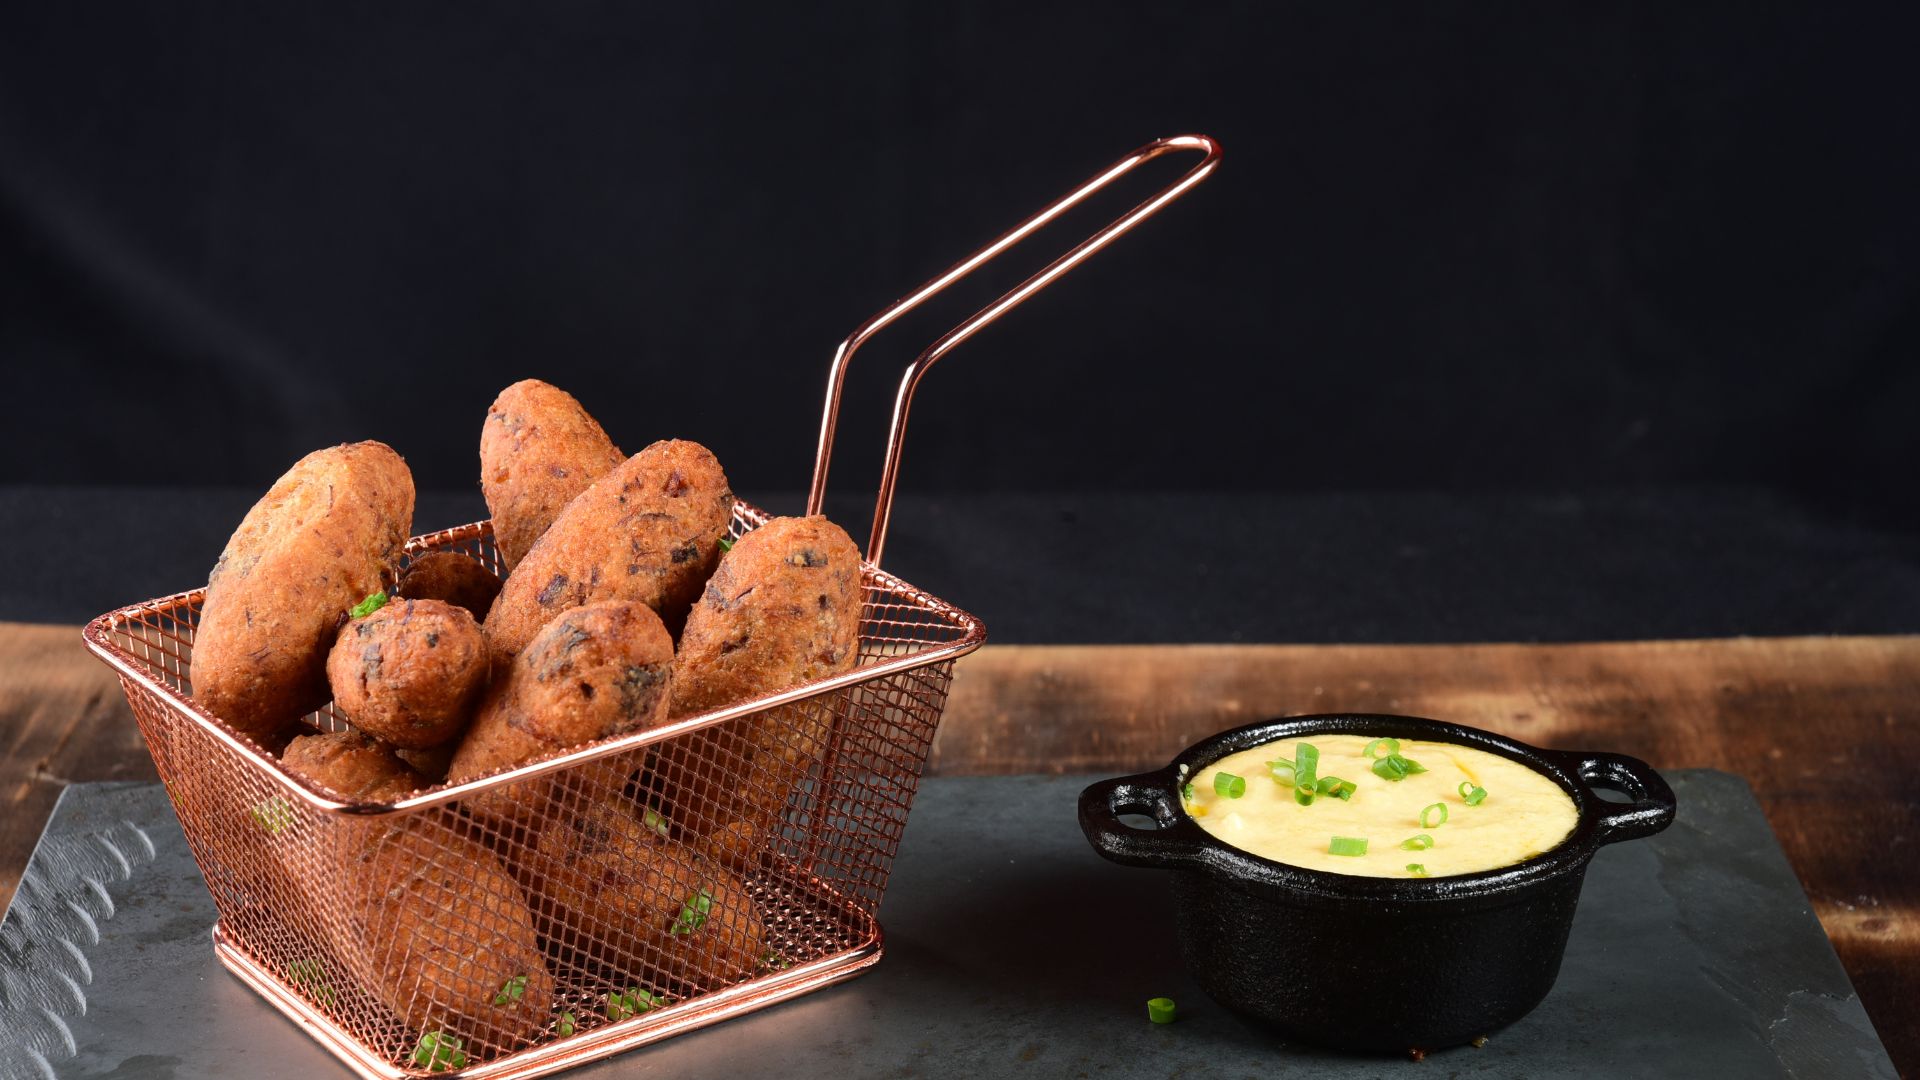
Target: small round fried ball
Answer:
pixel 411 672
pixel 458 579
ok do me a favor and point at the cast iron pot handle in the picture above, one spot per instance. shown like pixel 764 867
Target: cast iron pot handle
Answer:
pixel 1176 843
pixel 1652 807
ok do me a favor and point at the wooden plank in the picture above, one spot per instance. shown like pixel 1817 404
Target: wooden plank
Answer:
pixel 63 719
pixel 1824 729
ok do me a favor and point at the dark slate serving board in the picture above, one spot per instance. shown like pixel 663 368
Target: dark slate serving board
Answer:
pixel 1011 950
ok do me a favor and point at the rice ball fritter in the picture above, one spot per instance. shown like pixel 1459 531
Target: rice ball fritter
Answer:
pixel 411 672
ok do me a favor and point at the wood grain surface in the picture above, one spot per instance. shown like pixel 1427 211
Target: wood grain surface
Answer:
pixel 1823 728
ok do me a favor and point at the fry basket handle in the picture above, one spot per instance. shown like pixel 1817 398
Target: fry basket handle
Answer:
pixel 1019 294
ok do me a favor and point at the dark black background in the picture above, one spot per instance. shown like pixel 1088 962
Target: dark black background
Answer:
pixel 1464 266
pixel 1452 245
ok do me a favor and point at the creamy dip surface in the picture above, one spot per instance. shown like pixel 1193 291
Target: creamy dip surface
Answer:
pixel 1522 815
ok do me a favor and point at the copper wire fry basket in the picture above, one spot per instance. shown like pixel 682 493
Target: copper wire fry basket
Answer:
pixel 834 763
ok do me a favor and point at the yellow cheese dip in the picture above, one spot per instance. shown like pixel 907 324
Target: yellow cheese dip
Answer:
pixel 1523 814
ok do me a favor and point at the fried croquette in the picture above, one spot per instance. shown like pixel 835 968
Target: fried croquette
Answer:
pixel 649 531
pixel 352 765
pixel 321 539
pixel 457 579
pixel 411 672
pixel 614 887
pixel 442 934
pixel 782 609
pixel 538 449
pixel 594 671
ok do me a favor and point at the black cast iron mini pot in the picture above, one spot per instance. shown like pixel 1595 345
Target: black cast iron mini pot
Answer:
pixel 1368 964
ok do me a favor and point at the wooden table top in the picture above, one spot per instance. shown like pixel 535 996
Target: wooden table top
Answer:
pixel 1823 728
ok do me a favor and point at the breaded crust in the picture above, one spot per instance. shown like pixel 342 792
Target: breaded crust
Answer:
pixel 616 889
pixel 432 762
pixel 782 609
pixel 538 449
pixel 411 672
pixel 649 532
pixel 351 765
pixel 458 579
pixel 438 929
pixel 321 539
pixel 594 671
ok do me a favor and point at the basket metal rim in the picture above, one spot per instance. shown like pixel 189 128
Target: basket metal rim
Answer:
pixel 97 636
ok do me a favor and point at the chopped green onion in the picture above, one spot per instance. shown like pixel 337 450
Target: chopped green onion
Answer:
pixel 1186 792
pixel 632 1003
pixel 567 1025
pixel 1299 773
pixel 1225 783
pixel 726 544
pixel 438 1051
pixel 1416 869
pixel 1348 845
pixel 1472 794
pixel 655 820
pixel 1417 843
pixel 1396 768
pixel 309 974
pixel 1391 746
pixel 374 602
pixel 512 990
pixel 693 913
pixel 1160 1010
pixel 1336 787
pixel 274 815
pixel 1436 822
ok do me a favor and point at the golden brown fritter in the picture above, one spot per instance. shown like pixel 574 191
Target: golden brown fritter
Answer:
pixel 457 579
pixel 616 889
pixel 538 449
pixel 441 933
pixel 352 765
pixel 411 672
pixel 649 531
pixel 321 539
pixel 432 762
pixel 594 671
pixel 782 609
